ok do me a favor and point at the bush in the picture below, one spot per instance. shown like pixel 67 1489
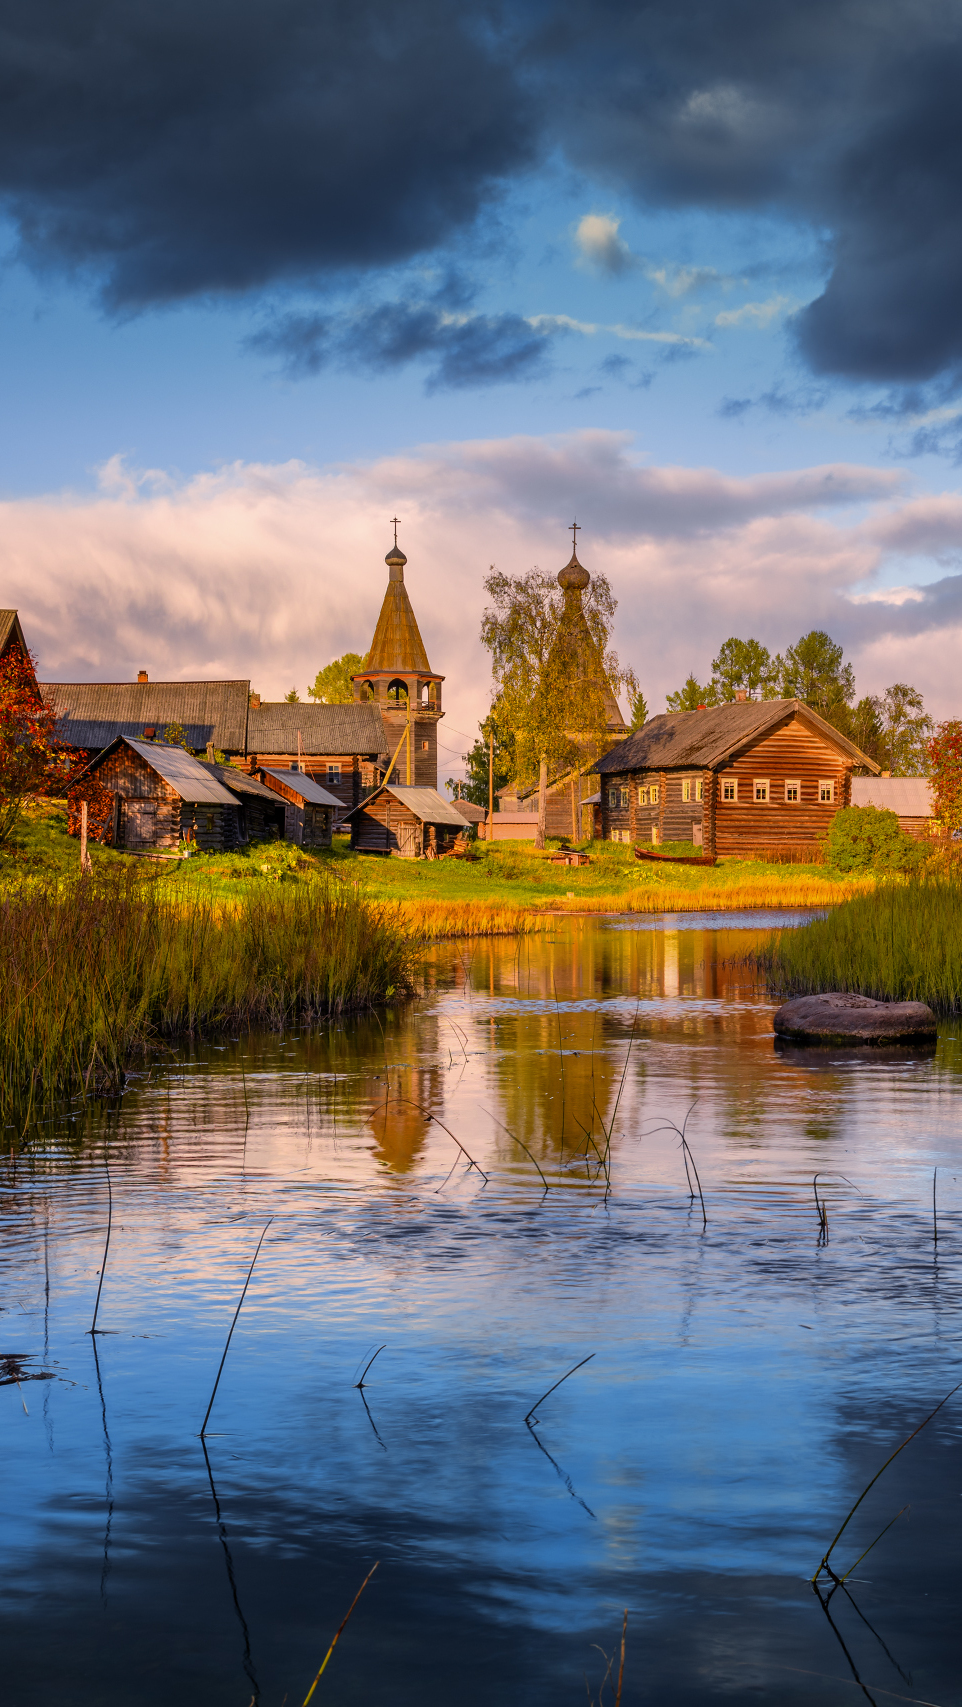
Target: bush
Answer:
pixel 866 838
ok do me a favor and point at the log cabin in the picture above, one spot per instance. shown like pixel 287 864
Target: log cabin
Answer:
pixel 766 776
pixel 409 823
pixel 309 809
pixel 162 798
pixel 343 748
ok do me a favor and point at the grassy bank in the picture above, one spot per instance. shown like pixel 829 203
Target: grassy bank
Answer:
pixel 902 943
pixel 93 971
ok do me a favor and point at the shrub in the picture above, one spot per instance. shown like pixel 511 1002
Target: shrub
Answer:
pixel 866 838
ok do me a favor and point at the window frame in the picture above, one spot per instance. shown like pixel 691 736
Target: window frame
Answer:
pixel 654 793
pixel 826 782
pixel 764 782
pixel 726 783
pixel 642 794
pixel 686 788
pixel 796 783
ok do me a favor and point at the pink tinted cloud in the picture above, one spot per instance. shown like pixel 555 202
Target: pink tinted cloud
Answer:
pixel 267 572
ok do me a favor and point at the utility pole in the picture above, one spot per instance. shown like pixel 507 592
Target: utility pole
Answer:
pixel 85 864
pixel 409 738
pixel 490 785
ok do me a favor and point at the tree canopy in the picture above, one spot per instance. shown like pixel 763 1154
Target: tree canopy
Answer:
pixel 32 757
pixel 332 685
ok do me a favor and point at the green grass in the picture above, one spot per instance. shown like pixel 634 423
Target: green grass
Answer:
pixel 96 970
pixel 902 943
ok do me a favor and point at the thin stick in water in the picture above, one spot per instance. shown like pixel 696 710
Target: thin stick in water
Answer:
pixel 621 1668
pixel 340 1628
pixel 203 1426
pixel 93 1328
pixel 368 1365
pixel 935 1223
pixel 557 1384
pixel 519 1142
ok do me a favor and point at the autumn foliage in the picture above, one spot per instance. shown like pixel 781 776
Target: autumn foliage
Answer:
pixel 945 758
pixel 33 760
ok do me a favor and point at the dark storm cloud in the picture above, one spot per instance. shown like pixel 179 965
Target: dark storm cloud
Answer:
pixel 461 350
pixel 197 146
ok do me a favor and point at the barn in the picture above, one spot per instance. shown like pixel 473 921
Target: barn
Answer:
pixel 766 776
pixel 157 797
pixel 908 796
pixel 309 809
pixel 411 823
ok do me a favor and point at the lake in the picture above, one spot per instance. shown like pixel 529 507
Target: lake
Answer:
pixel 750 1368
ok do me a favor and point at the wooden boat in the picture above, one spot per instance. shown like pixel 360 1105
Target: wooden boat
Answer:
pixel 676 859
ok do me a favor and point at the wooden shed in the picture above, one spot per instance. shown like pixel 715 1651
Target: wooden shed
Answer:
pixel 309 809
pixel 412 823
pixel 909 796
pixel 161 796
pixel 343 748
pixel 765 775
pixel 260 812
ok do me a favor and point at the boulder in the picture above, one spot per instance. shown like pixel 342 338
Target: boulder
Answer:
pixel 841 1017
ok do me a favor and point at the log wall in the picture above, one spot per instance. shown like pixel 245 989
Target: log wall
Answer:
pixel 793 754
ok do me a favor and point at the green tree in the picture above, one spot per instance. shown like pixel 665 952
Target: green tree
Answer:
pixel 744 665
pixel 505 762
pixel 864 726
pixel 814 671
pixel 176 736
pixel 637 710
pixel 332 685
pixel 908 730
pixel 692 696
pixel 292 697
pixel 867 838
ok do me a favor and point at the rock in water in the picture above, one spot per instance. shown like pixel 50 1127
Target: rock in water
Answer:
pixel 841 1017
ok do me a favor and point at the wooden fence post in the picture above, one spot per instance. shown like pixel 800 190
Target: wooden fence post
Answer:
pixel 85 864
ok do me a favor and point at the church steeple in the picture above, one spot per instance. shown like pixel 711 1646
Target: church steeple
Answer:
pixel 575 640
pixel 399 677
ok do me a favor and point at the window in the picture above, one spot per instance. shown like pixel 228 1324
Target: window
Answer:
pixel 691 788
pixel 642 797
pixel 654 793
pixel 793 792
pixel 424 746
pixel 620 836
pixel 617 797
pixel 699 788
pixel 826 793
pixel 730 788
pixel 760 790
pixel 686 788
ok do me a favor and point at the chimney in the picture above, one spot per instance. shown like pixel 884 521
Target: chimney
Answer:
pixel 141 675
pixel 741 693
pixel 255 702
pixel 885 773
pixel 210 752
pixel 702 708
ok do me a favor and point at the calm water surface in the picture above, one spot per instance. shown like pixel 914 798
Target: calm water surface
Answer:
pixel 746 1378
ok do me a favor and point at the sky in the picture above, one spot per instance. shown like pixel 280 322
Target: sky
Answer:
pixel 271 274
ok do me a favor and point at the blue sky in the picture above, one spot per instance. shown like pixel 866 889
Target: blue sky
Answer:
pixel 244 238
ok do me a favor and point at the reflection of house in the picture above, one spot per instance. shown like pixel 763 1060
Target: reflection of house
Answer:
pixel 398 680
pixel 309 810
pixel 756 774
pixel 909 796
pixel 409 822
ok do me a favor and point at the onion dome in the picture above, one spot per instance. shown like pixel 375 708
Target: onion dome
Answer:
pixel 573 578
pixel 395 561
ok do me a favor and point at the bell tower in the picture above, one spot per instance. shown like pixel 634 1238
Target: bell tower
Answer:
pixel 399 680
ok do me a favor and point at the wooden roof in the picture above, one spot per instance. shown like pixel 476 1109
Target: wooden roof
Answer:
pixel 425 803
pixel 325 729
pixel 185 774
pixel 469 812
pixel 909 796
pixel 93 714
pixel 238 781
pixel 10 630
pixel 694 740
pixel 304 787
pixel 397 643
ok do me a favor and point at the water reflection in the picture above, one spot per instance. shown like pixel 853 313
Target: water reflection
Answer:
pixel 746 1377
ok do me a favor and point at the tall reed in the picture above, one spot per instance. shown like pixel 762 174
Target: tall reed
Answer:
pixel 902 943
pixel 94 970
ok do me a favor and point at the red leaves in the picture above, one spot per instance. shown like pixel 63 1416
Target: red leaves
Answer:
pixel 33 760
pixel 945 757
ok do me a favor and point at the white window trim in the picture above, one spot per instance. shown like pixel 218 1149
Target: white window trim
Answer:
pixel 829 783
pixel 729 782
pixel 765 783
pixel 793 782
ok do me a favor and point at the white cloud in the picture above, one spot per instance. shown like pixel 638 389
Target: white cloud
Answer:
pixel 756 314
pixel 600 247
pixel 267 572
pixel 631 334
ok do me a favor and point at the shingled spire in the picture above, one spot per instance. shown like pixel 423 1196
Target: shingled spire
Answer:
pixel 398 676
pixel 397 643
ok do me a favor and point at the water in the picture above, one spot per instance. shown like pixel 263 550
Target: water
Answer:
pixel 746 1378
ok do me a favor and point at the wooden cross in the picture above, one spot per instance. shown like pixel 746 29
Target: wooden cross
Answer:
pixel 575 530
pixel 395 520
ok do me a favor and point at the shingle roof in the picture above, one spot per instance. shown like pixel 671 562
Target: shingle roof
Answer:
pixel 306 787
pixel 710 738
pixel 325 729
pixel 909 796
pixel 397 643
pixel 426 804
pixel 10 630
pixel 192 780
pixel 92 714
pixel 471 813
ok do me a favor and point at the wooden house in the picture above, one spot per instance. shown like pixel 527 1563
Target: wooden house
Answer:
pixel 91 715
pixel 260 814
pixel 412 823
pixel 12 639
pixel 309 809
pixel 766 775
pixel 162 797
pixel 908 796
pixel 343 748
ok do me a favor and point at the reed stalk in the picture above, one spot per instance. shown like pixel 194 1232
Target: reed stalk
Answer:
pixel 220 1371
pixel 557 1384
pixel 339 1629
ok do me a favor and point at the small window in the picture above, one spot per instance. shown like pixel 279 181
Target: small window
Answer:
pixel 730 788
pixel 654 793
pixel 642 797
pixel 686 788
pixel 424 746
pixel 760 788
pixel 793 792
pixel 826 793
pixel 619 836
pixel 333 773
pixel 699 788
pixel 614 797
